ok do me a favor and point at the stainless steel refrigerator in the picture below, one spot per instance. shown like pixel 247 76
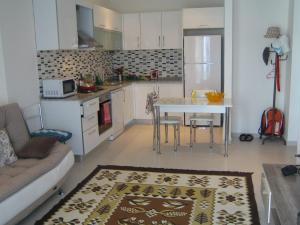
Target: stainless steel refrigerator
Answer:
pixel 202 66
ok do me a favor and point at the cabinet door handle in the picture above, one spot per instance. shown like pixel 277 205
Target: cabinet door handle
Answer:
pixel 92 117
pixel 159 41
pixel 93 131
pixel 91 104
pixel 163 41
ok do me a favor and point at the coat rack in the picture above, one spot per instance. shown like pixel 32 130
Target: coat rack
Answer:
pixel 273 136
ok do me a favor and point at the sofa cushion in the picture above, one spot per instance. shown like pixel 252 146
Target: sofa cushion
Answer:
pixel 24 171
pixel 7 154
pixel 37 148
pixel 11 119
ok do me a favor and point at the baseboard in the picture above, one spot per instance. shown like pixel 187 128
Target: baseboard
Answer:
pixel 291 143
pixel 142 121
pixel 237 135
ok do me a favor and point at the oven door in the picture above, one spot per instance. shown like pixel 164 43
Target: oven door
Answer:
pixel 104 114
pixel 69 87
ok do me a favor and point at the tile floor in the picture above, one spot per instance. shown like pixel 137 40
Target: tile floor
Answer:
pixel 134 148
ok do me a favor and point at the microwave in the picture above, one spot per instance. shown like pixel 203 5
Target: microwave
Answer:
pixel 59 88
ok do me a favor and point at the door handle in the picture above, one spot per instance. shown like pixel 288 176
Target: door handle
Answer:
pixel 138 42
pixel 163 41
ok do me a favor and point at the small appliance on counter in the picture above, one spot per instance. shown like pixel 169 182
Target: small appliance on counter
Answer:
pixel 59 88
pixel 87 85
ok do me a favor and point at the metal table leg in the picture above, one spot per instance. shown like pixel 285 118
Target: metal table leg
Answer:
pixel 158 129
pixel 227 117
pixel 166 128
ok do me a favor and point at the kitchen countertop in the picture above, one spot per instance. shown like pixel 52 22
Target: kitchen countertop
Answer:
pixel 83 97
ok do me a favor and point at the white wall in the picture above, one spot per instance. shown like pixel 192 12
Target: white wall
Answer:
pixel 294 105
pixel 252 92
pixel 19 51
pixel 3 91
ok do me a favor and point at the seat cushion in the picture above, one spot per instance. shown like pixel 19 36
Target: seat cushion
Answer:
pixel 12 120
pixel 202 117
pixel 170 120
pixel 17 175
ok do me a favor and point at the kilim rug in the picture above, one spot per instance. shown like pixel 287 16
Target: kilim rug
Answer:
pixel 114 195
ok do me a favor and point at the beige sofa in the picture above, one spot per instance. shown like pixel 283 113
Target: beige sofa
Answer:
pixel 25 184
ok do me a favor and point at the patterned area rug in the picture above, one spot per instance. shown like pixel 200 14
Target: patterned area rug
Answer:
pixel 114 195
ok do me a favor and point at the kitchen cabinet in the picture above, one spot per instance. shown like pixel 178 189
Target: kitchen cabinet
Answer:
pixel 151 37
pixel 168 90
pixel 107 28
pixel 197 18
pixel 171 30
pixel 128 104
pixel 79 118
pixel 152 30
pixel 117 98
pixel 107 39
pixel 131 31
pixel 107 19
pixel 55 24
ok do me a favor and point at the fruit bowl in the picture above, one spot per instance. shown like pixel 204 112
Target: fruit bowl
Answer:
pixel 214 96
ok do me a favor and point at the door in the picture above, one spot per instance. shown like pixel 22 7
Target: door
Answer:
pixel 151 30
pixel 67 26
pixel 171 30
pixel 131 31
pixel 117 111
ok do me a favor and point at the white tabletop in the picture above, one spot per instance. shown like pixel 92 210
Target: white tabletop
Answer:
pixel 192 105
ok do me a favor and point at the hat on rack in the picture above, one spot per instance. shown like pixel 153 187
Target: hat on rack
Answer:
pixel 273 32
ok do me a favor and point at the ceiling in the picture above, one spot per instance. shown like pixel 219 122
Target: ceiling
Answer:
pixel 128 6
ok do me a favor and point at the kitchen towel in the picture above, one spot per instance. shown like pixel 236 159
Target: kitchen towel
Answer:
pixel 106 113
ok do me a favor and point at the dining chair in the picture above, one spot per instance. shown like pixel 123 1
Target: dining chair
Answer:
pixel 201 117
pixel 175 121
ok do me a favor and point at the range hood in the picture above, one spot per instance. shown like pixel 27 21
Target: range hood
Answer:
pixel 86 41
pixel 85 26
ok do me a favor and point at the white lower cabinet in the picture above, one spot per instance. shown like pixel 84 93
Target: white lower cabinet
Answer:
pixel 81 119
pixel 91 139
pixel 117 98
pixel 167 90
pixel 128 104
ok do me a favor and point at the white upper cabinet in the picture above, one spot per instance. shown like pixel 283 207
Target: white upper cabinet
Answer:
pixel 196 18
pixel 107 19
pixel 46 26
pixel 131 31
pixel 151 37
pixel 67 26
pixel 55 24
pixel 153 30
pixel 171 30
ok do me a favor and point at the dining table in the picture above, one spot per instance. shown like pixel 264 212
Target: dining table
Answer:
pixel 193 105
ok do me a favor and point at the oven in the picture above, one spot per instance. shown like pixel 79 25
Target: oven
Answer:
pixel 104 113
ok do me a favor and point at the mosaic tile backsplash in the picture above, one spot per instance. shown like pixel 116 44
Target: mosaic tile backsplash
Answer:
pixel 73 63
pixel 141 62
